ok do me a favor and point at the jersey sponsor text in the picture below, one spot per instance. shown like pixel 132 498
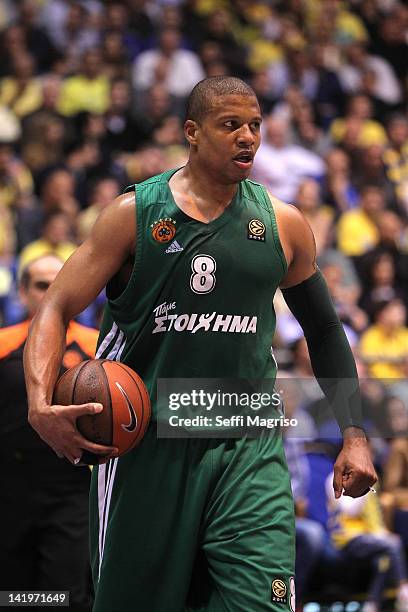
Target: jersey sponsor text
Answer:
pixel 166 320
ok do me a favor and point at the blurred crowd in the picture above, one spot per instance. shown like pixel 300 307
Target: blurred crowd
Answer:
pixel 92 98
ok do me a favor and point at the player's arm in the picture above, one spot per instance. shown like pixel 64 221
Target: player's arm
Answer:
pixel 306 293
pixel 79 282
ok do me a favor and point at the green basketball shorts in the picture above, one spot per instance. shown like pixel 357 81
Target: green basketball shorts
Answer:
pixel 194 524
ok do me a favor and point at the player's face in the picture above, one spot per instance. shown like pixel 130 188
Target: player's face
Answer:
pixel 228 138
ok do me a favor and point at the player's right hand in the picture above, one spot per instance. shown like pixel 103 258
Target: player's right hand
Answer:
pixel 56 425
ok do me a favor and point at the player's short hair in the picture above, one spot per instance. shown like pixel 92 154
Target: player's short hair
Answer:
pixel 200 100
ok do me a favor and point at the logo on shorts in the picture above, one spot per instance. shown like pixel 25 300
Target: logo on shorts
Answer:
pixel 163 230
pixel 279 591
pixel 256 230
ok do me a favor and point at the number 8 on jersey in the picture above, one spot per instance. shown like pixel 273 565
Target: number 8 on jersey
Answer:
pixel 203 278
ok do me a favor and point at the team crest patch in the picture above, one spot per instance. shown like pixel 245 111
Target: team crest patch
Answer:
pixel 256 230
pixel 279 591
pixel 163 230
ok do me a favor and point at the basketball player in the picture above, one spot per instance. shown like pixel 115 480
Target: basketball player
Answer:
pixel 192 259
pixel 43 501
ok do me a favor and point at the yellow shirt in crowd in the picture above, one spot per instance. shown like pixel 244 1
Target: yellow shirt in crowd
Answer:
pixel 371 133
pixel 79 93
pixel 356 233
pixel 385 352
pixel 21 102
pixel 347 523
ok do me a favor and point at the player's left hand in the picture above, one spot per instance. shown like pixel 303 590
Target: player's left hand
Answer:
pixel 354 472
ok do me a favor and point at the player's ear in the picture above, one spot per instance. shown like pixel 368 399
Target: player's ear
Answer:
pixel 190 131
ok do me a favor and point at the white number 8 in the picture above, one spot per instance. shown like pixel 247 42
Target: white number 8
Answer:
pixel 203 279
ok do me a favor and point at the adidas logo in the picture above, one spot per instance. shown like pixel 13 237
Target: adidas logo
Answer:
pixel 175 247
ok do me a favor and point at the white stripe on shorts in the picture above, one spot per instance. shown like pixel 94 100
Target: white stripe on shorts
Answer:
pixel 105 486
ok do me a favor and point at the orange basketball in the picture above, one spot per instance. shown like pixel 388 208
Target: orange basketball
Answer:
pixel 123 395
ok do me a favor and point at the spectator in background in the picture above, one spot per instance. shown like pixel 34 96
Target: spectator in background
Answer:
pixel 302 371
pixel 345 297
pixel 45 129
pixel 114 56
pixel 357 529
pixel 89 89
pixel 383 86
pixel 391 42
pixel 307 134
pixel 8 237
pixel 122 132
pixel 260 85
pixel 392 240
pixel 117 23
pixel 44 500
pixel 396 160
pixel 357 229
pixel 155 105
pixel 146 162
pixel 296 69
pixel 69 24
pixel 50 93
pixel 338 189
pixel 329 96
pixel 218 31
pixel 84 161
pixel 12 43
pixel 358 128
pixel 369 168
pixel 395 475
pixel 176 68
pixel 57 193
pixel 318 215
pixel 384 345
pixel 16 182
pixel 37 40
pixel 103 192
pixel 55 240
pixel 141 19
pixel 281 166
pixel 21 91
pixel 381 284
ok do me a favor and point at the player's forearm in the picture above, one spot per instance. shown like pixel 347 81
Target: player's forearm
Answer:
pixel 330 353
pixel 43 355
pixel 334 367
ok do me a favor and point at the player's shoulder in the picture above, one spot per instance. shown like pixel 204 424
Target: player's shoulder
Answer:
pixel 12 337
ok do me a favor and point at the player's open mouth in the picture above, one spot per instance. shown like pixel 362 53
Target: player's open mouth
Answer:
pixel 244 160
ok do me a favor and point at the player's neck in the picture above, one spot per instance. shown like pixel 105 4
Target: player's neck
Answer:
pixel 206 189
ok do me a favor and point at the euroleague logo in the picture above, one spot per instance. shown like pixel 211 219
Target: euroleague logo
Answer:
pixel 256 230
pixel 279 591
pixel 163 230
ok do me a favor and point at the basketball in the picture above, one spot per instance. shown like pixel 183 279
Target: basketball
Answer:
pixel 123 395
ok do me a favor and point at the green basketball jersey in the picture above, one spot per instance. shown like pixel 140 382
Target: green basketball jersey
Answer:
pixel 199 300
